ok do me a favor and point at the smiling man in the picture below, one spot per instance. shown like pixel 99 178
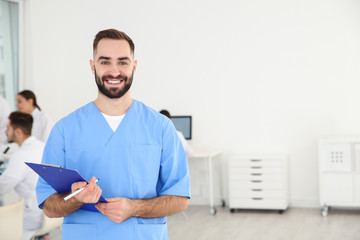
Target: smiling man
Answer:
pixel 114 82
pixel 134 151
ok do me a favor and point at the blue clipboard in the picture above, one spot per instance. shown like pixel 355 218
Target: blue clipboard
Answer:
pixel 61 180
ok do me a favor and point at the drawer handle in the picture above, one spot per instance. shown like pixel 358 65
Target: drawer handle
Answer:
pixel 256 174
pixel 256 167
pixel 257 198
pixel 256 181
pixel 256 190
pixel 255 160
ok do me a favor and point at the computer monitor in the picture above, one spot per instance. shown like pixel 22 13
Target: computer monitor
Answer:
pixel 183 124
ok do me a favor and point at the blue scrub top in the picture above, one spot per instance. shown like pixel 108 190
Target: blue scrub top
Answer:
pixel 143 158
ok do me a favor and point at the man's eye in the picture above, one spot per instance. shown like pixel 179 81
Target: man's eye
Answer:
pixel 104 63
pixel 123 63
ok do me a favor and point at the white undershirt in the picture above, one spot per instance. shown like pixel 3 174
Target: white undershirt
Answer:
pixel 113 121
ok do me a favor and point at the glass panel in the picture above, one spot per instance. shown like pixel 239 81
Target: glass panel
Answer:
pixel 9 50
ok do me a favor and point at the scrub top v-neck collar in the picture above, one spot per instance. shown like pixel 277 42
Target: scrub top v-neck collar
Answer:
pixel 105 125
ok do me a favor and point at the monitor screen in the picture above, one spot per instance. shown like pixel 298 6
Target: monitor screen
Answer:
pixel 183 124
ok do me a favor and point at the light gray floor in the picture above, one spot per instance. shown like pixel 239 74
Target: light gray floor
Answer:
pixel 293 224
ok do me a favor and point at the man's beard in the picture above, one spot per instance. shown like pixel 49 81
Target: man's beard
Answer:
pixel 11 139
pixel 113 92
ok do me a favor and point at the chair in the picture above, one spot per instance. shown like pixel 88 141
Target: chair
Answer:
pixel 48 225
pixel 11 220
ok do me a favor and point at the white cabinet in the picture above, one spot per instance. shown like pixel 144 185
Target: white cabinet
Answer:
pixel 357 188
pixel 258 182
pixel 339 172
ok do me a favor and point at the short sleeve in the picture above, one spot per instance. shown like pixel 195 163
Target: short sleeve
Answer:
pixel 174 176
pixel 54 153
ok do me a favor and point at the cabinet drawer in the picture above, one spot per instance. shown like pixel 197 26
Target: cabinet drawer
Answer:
pixel 256 162
pixel 258 193
pixel 255 184
pixel 256 176
pixel 258 203
pixel 255 170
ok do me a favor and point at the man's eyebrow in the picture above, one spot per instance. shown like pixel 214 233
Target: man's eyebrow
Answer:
pixel 123 58
pixel 105 58
pixel 108 58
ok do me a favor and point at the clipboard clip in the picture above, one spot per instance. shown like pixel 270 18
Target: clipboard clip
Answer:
pixel 51 165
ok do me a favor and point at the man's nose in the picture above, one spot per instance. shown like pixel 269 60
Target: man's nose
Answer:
pixel 115 70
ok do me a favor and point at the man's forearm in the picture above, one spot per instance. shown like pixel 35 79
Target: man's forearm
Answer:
pixel 55 206
pixel 160 206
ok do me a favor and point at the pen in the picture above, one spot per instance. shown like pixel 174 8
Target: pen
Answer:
pixel 77 192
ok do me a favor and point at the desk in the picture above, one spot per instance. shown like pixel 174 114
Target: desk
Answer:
pixel 209 155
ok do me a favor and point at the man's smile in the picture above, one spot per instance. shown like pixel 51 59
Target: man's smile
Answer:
pixel 113 81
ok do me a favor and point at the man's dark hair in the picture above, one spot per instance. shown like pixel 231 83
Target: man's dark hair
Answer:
pixel 112 34
pixel 21 120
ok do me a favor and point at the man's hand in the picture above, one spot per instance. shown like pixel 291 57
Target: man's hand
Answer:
pixel 91 193
pixel 55 206
pixel 117 209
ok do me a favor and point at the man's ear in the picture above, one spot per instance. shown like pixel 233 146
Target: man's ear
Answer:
pixel 92 66
pixel 18 132
pixel 135 65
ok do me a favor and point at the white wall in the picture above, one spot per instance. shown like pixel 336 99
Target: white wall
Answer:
pixel 257 76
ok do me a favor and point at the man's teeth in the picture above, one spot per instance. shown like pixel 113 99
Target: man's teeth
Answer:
pixel 113 81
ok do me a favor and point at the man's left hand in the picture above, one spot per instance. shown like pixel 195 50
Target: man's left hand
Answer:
pixel 116 209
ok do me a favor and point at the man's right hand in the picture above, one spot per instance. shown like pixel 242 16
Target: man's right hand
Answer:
pixel 91 193
pixel 55 206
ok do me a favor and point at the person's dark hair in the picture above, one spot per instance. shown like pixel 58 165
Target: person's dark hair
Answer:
pixel 112 34
pixel 21 120
pixel 27 94
pixel 166 113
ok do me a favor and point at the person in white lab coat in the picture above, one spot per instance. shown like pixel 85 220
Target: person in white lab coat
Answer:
pixel 4 114
pixel 188 149
pixel 18 175
pixel 26 103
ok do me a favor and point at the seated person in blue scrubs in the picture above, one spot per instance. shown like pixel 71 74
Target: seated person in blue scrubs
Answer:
pixel 134 151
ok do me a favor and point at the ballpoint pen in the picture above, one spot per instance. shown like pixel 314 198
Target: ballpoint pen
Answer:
pixel 77 192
